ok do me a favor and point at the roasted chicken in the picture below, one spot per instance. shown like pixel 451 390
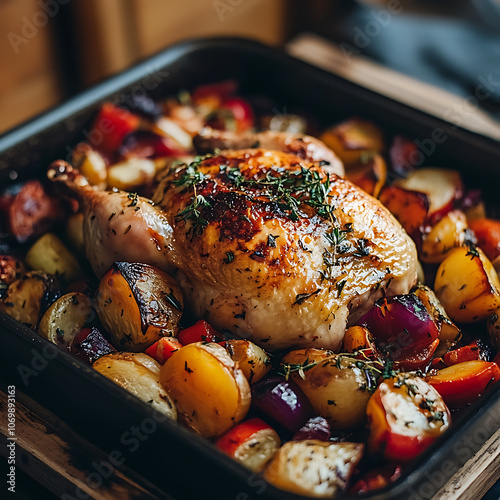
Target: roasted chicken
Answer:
pixel 268 244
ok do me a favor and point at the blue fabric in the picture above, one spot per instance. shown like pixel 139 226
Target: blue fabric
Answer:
pixel 457 55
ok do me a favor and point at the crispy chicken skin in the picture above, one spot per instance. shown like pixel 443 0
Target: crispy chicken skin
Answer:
pixel 304 146
pixel 272 248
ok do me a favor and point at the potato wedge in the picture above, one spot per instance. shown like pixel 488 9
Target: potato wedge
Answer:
pixel 314 468
pixel 210 390
pixel 252 359
pixel 131 174
pixel 352 139
pixel 91 164
pixel 50 255
pixel 65 318
pixel 448 233
pixel 28 297
pixel 449 333
pixel 335 386
pixel 138 304
pixel 369 175
pixel 138 374
pixel 467 285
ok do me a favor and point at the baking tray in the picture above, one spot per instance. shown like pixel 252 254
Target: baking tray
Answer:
pixel 173 459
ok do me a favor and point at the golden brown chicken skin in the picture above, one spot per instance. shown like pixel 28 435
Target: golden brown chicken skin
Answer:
pixel 272 248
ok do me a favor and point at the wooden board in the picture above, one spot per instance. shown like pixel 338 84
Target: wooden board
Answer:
pixel 54 456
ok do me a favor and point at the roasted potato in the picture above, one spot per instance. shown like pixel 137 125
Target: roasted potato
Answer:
pixel 409 207
pixel 131 174
pixel 369 174
pixel 50 255
pixel 467 285
pixel 252 359
pixel 210 390
pixel 138 374
pixel 449 333
pixel 448 233
pixel 90 164
pixel 336 387
pixel 353 139
pixel 65 318
pixel 138 304
pixel 315 468
pixel 28 297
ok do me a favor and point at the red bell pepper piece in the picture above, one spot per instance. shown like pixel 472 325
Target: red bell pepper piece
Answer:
pixel 163 349
pixel 199 332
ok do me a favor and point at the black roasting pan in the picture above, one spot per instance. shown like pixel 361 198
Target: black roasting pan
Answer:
pixel 176 461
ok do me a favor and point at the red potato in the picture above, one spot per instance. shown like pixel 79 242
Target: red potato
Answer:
pixel 369 175
pixel 405 416
pixel 201 331
pixel 487 232
pixel 252 443
pixel 111 125
pixel 403 154
pixel 409 207
pixel 464 382
pixel 32 212
pixel 162 349
pixel 442 187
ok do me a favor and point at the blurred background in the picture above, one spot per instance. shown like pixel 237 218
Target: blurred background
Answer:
pixel 51 49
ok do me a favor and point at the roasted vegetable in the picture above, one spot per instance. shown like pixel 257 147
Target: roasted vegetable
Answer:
pixel 28 296
pixel 138 374
pixel 369 174
pixel 210 391
pixel 487 232
pixel 353 139
pixel 65 318
pixel 494 329
pixel 314 468
pixel 405 416
pixel 252 359
pixel 74 232
pixel 315 428
pixel 11 268
pixel 467 285
pixel 111 125
pixel 409 207
pixel 282 401
pixel 90 345
pixel 358 338
pixel 464 382
pixel 162 349
pixel 252 443
pixel 91 164
pixel 50 255
pixel 201 331
pixel 377 478
pixel 448 233
pixel 131 174
pixel 476 350
pixel 138 304
pixel 338 387
pixel 442 187
pixel 32 212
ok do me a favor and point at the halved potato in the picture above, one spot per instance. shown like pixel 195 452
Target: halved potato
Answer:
pixel 131 174
pixel 137 373
pixel 467 285
pixel 337 388
pixel 65 318
pixel 352 139
pixel 50 255
pixel 27 297
pixel 252 359
pixel 314 468
pixel 210 390
pixel 138 304
pixel 448 233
